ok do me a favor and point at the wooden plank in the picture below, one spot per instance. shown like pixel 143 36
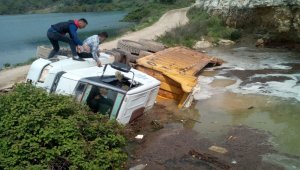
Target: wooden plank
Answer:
pixel 158 75
pixel 170 88
pixel 182 100
pixel 168 95
pixel 177 68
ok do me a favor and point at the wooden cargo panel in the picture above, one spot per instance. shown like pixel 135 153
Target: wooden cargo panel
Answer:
pixel 177 68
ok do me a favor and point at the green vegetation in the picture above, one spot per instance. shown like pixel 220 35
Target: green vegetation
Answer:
pixel 29 61
pixel 145 14
pixel 201 25
pixel 45 6
pixel 6 65
pixel 47 131
pixel 22 6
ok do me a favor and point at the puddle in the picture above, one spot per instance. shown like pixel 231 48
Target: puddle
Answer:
pixel 258 88
pixel 170 147
pixel 279 117
pixel 250 106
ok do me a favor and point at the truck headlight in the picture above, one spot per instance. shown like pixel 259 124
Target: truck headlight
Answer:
pixel 44 73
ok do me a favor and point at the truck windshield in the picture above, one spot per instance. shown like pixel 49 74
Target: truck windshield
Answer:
pixel 99 99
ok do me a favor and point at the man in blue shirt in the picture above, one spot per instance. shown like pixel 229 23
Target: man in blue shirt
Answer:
pixel 57 32
pixel 93 43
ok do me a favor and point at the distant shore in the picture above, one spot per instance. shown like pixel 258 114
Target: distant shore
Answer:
pixel 169 20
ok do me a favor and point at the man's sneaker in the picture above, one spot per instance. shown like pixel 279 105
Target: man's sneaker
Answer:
pixel 77 58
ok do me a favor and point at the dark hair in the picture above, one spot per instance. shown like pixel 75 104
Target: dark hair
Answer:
pixel 103 34
pixel 84 20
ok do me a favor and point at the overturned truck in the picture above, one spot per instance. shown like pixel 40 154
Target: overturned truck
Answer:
pixel 171 73
pixel 115 90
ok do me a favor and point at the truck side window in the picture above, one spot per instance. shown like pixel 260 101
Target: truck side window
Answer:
pixel 118 103
pixel 101 100
pixel 79 91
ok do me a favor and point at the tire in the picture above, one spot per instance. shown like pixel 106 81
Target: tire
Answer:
pixel 144 53
pixel 152 46
pixel 119 53
pixel 133 58
pixel 130 46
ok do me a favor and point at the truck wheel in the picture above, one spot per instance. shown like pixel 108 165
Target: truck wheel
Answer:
pixel 133 58
pixel 144 53
pixel 152 46
pixel 119 55
pixel 130 46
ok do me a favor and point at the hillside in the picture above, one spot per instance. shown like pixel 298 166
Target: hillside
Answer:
pixel 46 6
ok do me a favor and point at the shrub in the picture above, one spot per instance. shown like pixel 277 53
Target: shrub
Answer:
pixel 137 15
pixel 40 131
pixel 7 65
pixel 235 35
pixel 201 24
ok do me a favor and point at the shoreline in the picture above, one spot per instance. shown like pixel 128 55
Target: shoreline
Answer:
pixel 169 20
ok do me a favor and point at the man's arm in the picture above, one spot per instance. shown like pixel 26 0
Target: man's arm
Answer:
pixel 95 48
pixel 74 36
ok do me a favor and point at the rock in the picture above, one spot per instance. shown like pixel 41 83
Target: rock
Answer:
pixel 138 167
pixel 234 162
pixel 281 18
pixel 259 43
pixel 140 137
pixel 202 44
pixel 156 124
pixel 218 149
pixel 251 107
pixel 226 42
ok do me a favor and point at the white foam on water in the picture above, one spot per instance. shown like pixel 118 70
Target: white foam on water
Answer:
pixel 245 58
pixel 206 91
pixel 285 89
pixel 281 67
pixel 221 77
pixel 286 162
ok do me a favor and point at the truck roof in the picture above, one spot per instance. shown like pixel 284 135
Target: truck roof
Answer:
pixel 69 63
pixel 145 80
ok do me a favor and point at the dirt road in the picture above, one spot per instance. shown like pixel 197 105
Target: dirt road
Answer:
pixel 168 21
pixel 11 76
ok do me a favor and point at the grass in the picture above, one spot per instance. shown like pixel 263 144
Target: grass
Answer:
pixel 201 25
pixel 29 61
pixel 8 65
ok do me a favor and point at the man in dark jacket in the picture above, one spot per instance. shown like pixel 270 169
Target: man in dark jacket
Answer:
pixel 57 32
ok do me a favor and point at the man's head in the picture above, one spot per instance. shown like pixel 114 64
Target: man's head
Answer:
pixel 82 23
pixel 103 91
pixel 103 36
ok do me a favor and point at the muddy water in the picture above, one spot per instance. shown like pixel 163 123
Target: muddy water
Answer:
pixel 250 106
pixel 258 88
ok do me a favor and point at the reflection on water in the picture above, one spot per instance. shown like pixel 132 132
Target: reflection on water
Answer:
pixel 258 88
pixel 280 117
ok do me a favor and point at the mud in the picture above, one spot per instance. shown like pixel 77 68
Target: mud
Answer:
pixel 170 147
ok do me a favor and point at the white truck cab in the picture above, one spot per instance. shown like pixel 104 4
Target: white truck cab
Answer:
pixel 45 73
pixel 116 90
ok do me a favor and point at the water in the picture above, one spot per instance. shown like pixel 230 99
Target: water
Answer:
pixel 21 34
pixel 257 88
